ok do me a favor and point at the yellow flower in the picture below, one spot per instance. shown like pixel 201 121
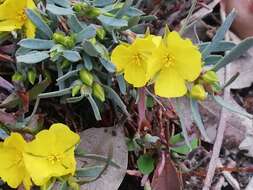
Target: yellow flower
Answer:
pixel 51 154
pixel 133 59
pixel 12 16
pixel 173 63
pixel 12 167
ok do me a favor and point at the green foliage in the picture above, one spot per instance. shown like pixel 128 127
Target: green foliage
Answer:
pixel 145 164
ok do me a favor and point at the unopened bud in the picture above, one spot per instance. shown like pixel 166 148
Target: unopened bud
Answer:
pixel 75 90
pixel 101 33
pixel 98 92
pixel 198 92
pixel 65 64
pixel 86 77
pixel 31 75
pixel 210 77
pixel 58 38
pixel 69 42
pixel 17 77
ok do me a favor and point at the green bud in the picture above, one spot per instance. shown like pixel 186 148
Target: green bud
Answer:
pixel 73 184
pixel 75 90
pixel 69 42
pixel 65 64
pixel 58 38
pixel 93 12
pixel 31 75
pixel 198 92
pixel 17 77
pixel 210 77
pixel 93 41
pixel 86 77
pixel 78 7
pixel 101 33
pixel 98 92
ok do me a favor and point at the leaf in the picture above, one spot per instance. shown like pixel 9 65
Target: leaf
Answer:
pixel 3 134
pixel 124 8
pixel 94 108
pixel 62 3
pixel 145 164
pixel 59 10
pixel 221 46
pixel 180 146
pixel 90 171
pixel 132 12
pixel 235 53
pixel 212 59
pixel 114 22
pixel 36 44
pixel 122 84
pixel 107 65
pixel 198 120
pixel 99 141
pixel 72 56
pixel 90 49
pixel 74 24
pixel 39 23
pixel 38 89
pixel 220 34
pixel 33 57
pixel 168 178
pixel 86 33
pixel 64 186
pixel 102 3
pixel 230 107
pixel 6 85
pixel 87 62
pixel 111 94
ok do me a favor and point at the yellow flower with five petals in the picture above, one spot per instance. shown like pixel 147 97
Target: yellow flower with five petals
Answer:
pixel 51 154
pixel 173 63
pixel 13 17
pixel 132 59
pixel 12 167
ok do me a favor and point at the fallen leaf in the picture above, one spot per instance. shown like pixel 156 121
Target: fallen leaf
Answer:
pixel 99 141
pixel 7 118
pixel 6 85
pixel 168 178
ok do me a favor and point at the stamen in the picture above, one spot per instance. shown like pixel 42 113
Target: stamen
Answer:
pixel 169 60
pixel 53 158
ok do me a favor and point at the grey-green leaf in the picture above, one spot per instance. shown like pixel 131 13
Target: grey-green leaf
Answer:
pixel 33 57
pixel 86 33
pixel 59 10
pixel 94 107
pixel 36 44
pixel 90 172
pixel 114 22
pixel 72 56
pixel 107 65
pixel 39 23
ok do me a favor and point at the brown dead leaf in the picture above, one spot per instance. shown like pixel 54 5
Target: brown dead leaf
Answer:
pixel 168 179
pixel 99 141
pixel 7 118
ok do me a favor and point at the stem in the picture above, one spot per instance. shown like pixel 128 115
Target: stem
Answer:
pixel 141 107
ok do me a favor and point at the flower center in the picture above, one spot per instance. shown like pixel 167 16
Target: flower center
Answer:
pixel 53 158
pixel 137 58
pixel 169 60
pixel 21 16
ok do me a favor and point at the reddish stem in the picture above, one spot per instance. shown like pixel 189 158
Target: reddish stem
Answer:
pixel 141 107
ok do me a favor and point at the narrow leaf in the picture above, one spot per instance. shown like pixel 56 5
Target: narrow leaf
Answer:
pixel 33 57
pixel 36 44
pixel 86 33
pixel 94 107
pixel 59 10
pixel 72 56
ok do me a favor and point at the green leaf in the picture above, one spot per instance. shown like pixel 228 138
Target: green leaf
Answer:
pixel 38 89
pixel 64 186
pixel 112 95
pixel 59 10
pixel 145 164
pixel 212 59
pixel 220 34
pixel 91 172
pixel 107 65
pixel 124 9
pixel 230 107
pixel 102 3
pixel 72 56
pixel 62 3
pixel 181 147
pixel 132 12
pixel 113 22
pixel 197 118
pixel 90 49
pixel 74 24
pixel 36 44
pixel 235 53
pixel 86 33
pixel 94 108
pixel 87 62
pixel 221 46
pixel 122 84
pixel 33 57
pixel 39 23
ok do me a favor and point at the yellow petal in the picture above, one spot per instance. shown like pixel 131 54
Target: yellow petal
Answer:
pixel 15 141
pixel 10 25
pixel 70 138
pixel 169 84
pixel 10 9
pixel 187 56
pixel 69 161
pixel 31 4
pixel 136 75
pixel 30 29
pixel 27 181
pixel 120 57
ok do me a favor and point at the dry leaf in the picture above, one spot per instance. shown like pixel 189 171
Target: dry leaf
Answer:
pixel 99 141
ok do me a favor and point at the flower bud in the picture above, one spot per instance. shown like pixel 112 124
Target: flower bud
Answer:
pixel 93 12
pixel 198 92
pixel 17 77
pixel 69 42
pixel 101 33
pixel 86 77
pixel 210 77
pixel 98 92
pixel 73 184
pixel 58 38
pixel 65 64
pixel 75 90
pixel 31 75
